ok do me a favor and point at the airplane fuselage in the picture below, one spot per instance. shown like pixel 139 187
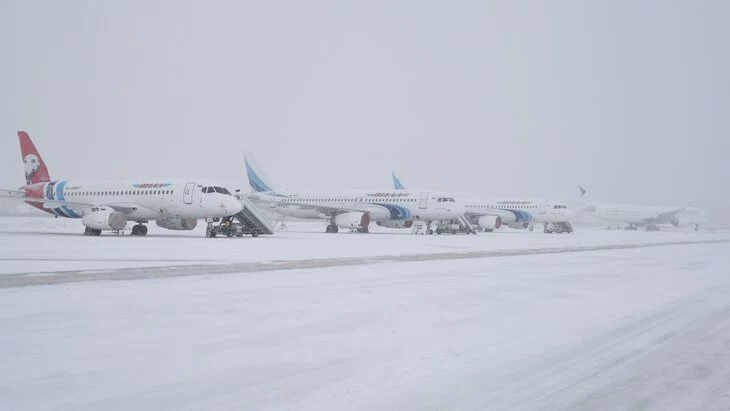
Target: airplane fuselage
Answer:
pixel 520 212
pixel 380 205
pixel 642 215
pixel 142 199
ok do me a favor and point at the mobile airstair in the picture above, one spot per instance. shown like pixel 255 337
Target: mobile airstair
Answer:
pixel 250 220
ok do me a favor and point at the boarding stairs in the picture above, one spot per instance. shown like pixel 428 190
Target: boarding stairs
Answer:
pixel 252 218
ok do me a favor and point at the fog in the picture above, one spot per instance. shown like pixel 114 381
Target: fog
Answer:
pixel 493 99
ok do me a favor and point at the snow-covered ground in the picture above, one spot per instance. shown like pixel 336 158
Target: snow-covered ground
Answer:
pixel 32 245
pixel 624 328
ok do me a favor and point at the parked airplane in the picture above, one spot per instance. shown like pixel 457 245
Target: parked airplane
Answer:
pixel 107 205
pixel 650 217
pixel 519 214
pixel 356 209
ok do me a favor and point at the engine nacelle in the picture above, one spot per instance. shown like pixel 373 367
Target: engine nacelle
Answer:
pixel 518 226
pixel 489 222
pixel 105 219
pixel 178 223
pixel 352 220
pixel 396 223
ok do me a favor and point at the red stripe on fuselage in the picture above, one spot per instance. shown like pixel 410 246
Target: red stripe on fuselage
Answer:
pixel 37 190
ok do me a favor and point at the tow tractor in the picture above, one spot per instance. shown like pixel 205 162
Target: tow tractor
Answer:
pixel 250 221
pixel 228 227
pixel 453 226
pixel 558 228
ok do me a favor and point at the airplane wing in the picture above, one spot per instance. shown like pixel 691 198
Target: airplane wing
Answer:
pixel 330 211
pixel 74 206
pixel 125 208
pixel 16 194
pixel 505 215
pixel 665 217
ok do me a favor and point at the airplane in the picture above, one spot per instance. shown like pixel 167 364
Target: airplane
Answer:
pixel 174 204
pixel 356 209
pixel 518 214
pixel 650 217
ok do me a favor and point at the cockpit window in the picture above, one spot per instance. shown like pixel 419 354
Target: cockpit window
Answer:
pixel 221 190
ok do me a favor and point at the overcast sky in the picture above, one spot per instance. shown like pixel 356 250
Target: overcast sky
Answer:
pixel 495 99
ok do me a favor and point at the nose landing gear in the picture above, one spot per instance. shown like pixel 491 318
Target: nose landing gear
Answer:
pixel 92 232
pixel 139 229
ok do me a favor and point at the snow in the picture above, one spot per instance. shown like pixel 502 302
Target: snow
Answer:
pixel 645 327
pixel 33 245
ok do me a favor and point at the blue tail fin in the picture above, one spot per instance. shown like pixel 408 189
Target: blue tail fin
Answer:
pixel 396 183
pixel 256 183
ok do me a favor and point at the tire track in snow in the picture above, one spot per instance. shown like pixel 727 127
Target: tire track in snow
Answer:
pixel 142 273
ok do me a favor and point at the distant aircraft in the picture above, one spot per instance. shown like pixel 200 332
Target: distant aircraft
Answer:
pixel 650 217
pixel 356 209
pixel 107 205
pixel 518 213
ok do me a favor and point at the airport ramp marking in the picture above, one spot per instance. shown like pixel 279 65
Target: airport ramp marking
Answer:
pixel 157 272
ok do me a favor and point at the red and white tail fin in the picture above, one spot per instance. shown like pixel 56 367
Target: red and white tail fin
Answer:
pixel 35 169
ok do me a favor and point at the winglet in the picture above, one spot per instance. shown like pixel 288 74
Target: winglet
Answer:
pixel 396 183
pixel 582 191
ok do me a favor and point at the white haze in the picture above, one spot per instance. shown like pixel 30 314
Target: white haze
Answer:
pixel 479 98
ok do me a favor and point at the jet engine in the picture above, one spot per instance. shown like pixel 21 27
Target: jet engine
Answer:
pixel 178 223
pixel 489 222
pixel 105 219
pixel 396 223
pixel 352 220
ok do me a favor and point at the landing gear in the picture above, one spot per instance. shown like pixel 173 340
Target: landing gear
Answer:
pixel 429 230
pixel 92 232
pixel 363 230
pixel 210 232
pixel 531 227
pixel 652 227
pixel 632 227
pixel 332 229
pixel 139 229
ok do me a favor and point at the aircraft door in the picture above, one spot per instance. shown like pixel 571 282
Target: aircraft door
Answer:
pixel 188 193
pixel 423 202
pixel 542 207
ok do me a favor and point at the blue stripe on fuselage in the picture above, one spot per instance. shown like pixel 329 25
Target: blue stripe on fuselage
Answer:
pixel 59 194
pixel 520 216
pixel 396 212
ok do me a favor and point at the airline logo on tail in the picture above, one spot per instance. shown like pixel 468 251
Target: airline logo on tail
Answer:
pixel 35 169
pixel 255 181
pixel 396 183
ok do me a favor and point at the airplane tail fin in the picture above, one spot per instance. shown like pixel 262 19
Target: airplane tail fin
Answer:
pixel 396 183
pixel 254 180
pixel 35 169
pixel 583 191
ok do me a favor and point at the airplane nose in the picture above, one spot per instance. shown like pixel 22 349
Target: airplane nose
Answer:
pixel 234 206
pixel 459 209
